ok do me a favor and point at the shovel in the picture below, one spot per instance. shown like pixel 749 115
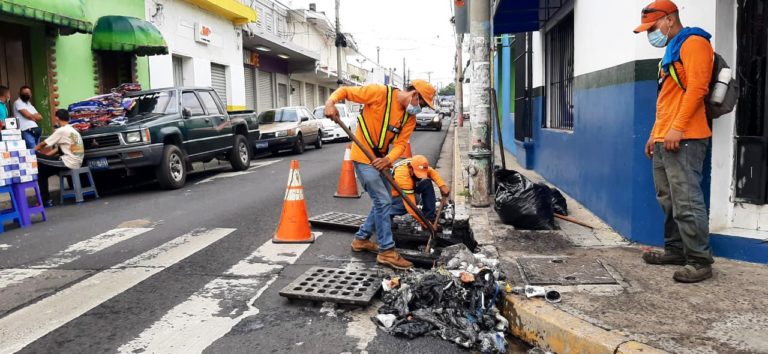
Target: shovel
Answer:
pixel 391 180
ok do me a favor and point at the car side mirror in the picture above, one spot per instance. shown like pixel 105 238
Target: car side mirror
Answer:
pixel 186 113
pixel 304 119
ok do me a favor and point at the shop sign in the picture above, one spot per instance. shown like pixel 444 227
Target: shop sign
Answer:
pixel 203 33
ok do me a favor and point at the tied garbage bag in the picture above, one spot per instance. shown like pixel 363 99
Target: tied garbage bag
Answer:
pixel 522 203
pixel 559 204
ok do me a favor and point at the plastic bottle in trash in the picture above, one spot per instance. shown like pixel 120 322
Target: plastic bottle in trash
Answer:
pixel 721 86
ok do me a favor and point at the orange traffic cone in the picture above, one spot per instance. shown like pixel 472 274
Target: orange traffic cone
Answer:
pixel 407 154
pixel 294 222
pixel 347 182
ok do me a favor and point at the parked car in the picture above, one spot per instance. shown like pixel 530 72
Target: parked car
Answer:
pixel 289 128
pixel 429 119
pixel 331 130
pixel 168 129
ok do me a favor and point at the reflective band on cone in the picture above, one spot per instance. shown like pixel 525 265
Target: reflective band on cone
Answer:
pixel 347 182
pixel 294 222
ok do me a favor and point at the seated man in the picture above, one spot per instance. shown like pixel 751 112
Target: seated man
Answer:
pixel 65 146
pixel 415 177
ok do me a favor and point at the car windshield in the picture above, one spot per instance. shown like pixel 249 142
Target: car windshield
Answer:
pixel 160 102
pixel 427 110
pixel 280 115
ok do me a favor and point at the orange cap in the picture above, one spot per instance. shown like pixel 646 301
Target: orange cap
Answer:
pixel 653 12
pixel 426 91
pixel 420 166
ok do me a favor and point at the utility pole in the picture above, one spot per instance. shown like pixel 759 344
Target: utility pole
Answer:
pixel 405 78
pixel 339 81
pixel 429 76
pixel 458 101
pixel 480 154
pixel 378 50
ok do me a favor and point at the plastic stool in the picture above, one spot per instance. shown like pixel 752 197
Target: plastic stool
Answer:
pixel 22 204
pixel 9 214
pixel 76 189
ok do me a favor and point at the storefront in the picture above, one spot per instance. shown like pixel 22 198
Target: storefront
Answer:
pixel 204 46
pixel 48 45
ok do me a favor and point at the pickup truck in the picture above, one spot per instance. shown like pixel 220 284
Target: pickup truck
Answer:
pixel 168 129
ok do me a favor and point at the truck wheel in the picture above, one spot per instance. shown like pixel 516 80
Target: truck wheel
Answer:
pixel 172 172
pixel 240 156
pixel 298 148
pixel 319 142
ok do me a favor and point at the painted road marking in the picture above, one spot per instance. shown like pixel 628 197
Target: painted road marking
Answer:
pixel 195 324
pixel 28 324
pixel 239 173
pixel 92 245
pixel 4 246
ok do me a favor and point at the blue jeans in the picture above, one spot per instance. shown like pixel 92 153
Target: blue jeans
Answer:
pixel 425 193
pixel 31 137
pixel 378 218
pixel 677 177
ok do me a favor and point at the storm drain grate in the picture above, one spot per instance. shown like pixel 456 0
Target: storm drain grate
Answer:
pixel 356 287
pixel 338 220
pixel 565 271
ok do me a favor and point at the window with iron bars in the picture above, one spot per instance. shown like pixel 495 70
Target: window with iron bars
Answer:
pixel 559 74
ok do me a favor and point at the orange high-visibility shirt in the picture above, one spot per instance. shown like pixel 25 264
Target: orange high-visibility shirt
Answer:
pixel 681 109
pixel 374 97
pixel 405 180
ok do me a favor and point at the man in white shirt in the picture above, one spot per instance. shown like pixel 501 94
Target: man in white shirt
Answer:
pixel 28 117
pixel 66 146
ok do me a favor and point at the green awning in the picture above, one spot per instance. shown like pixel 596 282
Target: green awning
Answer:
pixel 69 15
pixel 128 34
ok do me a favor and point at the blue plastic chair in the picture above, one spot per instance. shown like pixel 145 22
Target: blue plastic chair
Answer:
pixel 11 214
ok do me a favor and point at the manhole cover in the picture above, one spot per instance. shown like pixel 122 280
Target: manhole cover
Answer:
pixel 564 271
pixel 355 287
pixel 338 220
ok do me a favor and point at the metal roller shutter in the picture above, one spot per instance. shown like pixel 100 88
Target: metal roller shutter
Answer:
pixel 265 91
pixel 178 72
pixel 282 94
pixel 309 99
pixel 323 93
pixel 219 81
pixel 250 88
pixel 296 94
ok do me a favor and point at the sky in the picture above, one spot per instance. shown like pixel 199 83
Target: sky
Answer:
pixel 417 30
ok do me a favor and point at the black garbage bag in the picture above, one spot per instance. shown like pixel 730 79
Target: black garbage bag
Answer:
pixel 522 203
pixel 559 204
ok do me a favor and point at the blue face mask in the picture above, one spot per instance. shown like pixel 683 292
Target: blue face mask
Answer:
pixel 413 110
pixel 658 39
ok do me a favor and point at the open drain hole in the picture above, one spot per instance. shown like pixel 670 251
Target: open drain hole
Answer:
pixel 557 261
pixel 298 288
pixel 570 277
pixel 358 294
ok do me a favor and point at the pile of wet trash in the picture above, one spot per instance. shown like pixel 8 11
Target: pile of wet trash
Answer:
pixel 455 300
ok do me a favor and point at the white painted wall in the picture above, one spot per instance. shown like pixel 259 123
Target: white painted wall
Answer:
pixel 177 25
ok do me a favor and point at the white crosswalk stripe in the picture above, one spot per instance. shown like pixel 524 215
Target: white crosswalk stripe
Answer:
pixel 195 324
pixel 12 276
pixel 22 327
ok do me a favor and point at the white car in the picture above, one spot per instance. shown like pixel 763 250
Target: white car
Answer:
pixel 331 131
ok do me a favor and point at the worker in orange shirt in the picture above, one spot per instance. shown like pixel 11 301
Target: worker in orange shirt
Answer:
pixel 679 140
pixel 415 177
pixel 388 118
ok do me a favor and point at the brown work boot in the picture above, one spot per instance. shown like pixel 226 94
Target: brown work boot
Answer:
pixel 658 258
pixel 393 259
pixel 693 273
pixel 364 245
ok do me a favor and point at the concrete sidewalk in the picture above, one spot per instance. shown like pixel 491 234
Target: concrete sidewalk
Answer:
pixel 643 311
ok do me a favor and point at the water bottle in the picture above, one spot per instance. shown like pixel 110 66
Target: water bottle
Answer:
pixel 721 86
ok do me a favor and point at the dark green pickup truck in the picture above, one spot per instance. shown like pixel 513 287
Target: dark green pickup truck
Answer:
pixel 167 130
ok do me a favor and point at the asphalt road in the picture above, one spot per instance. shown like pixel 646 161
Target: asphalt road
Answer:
pixel 190 270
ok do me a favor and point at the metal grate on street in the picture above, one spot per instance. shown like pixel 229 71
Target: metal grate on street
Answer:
pixel 338 220
pixel 356 287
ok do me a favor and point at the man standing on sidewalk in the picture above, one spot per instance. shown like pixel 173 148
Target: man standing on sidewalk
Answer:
pixel 387 118
pixel 679 139
pixel 28 117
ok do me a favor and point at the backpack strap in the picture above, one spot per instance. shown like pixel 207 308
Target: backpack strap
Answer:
pixel 672 73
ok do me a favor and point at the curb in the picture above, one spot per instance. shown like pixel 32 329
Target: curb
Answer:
pixel 535 321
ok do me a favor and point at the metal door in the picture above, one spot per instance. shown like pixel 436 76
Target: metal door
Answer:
pixel 282 95
pixel 250 88
pixel 309 99
pixel 295 93
pixel 219 81
pixel 266 97
pixel 178 72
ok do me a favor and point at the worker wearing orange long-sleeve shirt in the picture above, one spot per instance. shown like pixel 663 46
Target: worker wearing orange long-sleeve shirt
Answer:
pixel 679 140
pixel 388 118
pixel 415 178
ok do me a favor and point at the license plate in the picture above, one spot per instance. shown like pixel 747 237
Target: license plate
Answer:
pixel 262 145
pixel 100 163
